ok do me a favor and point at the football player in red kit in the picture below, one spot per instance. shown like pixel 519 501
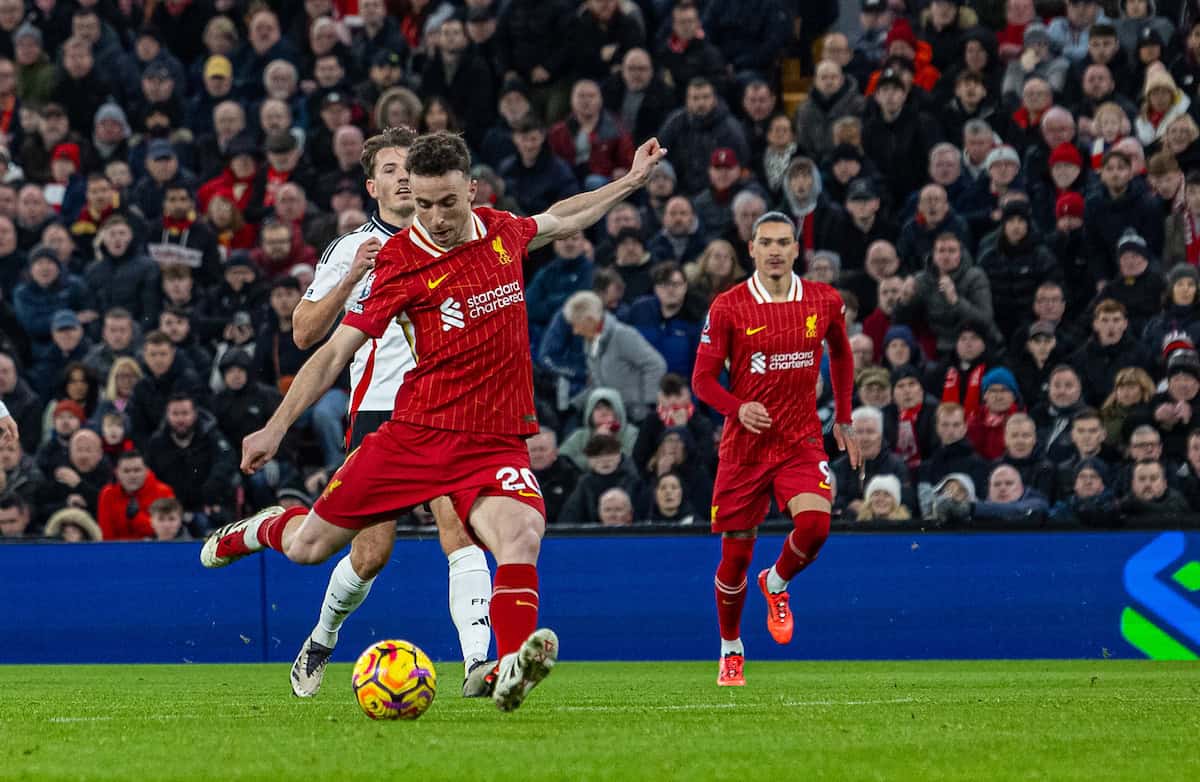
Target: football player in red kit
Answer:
pixel 454 280
pixel 769 332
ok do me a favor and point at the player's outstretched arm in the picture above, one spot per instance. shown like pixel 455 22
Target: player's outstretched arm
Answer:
pixel 313 380
pixel 312 320
pixel 841 371
pixel 578 212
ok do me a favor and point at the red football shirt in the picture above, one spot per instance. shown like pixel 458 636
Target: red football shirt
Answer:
pixel 463 310
pixel 773 350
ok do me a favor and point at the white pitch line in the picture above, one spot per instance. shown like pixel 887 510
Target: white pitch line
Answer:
pixel 707 706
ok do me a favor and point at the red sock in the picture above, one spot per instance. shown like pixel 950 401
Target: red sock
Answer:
pixel 731 584
pixel 801 547
pixel 514 608
pixel 270 532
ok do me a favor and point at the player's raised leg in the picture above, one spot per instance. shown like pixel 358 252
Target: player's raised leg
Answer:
pixel 349 584
pixel 513 531
pixel 470 597
pixel 298 533
pixel 737 548
pixel 810 529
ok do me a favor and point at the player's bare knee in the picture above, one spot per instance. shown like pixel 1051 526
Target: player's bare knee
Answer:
pixel 304 553
pixel 522 538
pixel 808 502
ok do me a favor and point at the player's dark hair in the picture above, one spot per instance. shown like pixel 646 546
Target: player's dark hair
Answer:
pixel 164 505
pixel 672 384
pixel 389 138
pixel 771 217
pixel 437 154
pixel 10 499
pixel 662 273
pixel 601 445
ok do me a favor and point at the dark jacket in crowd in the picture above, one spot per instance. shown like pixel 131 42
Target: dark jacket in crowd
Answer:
pixel 1097 365
pixel 130 281
pixel 690 141
pixel 558 483
pixel 583 506
pixel 148 404
pixel 202 470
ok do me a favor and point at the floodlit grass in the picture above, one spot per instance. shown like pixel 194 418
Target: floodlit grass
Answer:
pixel 653 721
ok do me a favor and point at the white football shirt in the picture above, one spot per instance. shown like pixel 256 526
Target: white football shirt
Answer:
pixel 379 366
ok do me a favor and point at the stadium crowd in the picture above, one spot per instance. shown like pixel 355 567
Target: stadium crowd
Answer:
pixel 1006 194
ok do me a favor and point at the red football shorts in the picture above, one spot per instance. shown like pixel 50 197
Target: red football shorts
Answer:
pixel 402 465
pixel 742 492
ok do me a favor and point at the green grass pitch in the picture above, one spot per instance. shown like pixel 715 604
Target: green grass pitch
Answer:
pixel 621 721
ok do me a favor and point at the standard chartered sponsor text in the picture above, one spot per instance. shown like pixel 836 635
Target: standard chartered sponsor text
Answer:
pixel 497 298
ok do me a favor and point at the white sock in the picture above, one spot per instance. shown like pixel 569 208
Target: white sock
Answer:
pixel 774 582
pixel 250 536
pixel 346 592
pixel 470 596
pixel 732 647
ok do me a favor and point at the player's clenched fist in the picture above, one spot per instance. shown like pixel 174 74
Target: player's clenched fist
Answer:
pixel 258 448
pixel 364 258
pixel 645 159
pixel 754 417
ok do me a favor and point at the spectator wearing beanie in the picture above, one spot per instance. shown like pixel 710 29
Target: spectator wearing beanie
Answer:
pixel 1176 408
pixel 67 419
pixel 882 501
pixel 980 203
pixel 1016 265
pixel 1001 400
pixel 897 136
pixel 1162 102
pixel 909 421
pixel 1180 312
pixel 1137 286
pixel 49 289
pixel 1067 244
pixel 1065 173
pixel 959 378
pixel 1093 503
pixel 1035 352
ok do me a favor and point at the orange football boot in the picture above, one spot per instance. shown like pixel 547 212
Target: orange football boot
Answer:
pixel 730 673
pixel 779 613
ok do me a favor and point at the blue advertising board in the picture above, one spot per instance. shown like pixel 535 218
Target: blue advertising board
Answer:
pixel 869 596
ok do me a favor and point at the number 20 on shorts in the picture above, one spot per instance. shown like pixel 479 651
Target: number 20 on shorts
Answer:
pixel 522 481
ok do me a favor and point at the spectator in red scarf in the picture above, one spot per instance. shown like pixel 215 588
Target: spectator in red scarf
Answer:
pixel 1001 400
pixel 1183 228
pixel 237 179
pixel 908 422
